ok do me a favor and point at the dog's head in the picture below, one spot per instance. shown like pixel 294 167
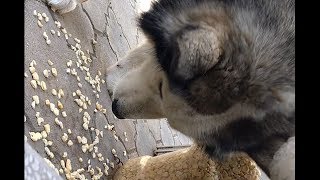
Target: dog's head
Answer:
pixel 194 70
pixel 199 71
pixel 221 72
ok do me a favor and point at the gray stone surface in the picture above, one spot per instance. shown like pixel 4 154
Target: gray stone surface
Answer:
pixel 113 26
pixel 118 41
pixel 154 129
pixel 104 51
pixel 79 25
pixel 166 134
pixel 126 18
pixel 179 138
pixel 145 143
pixel 96 9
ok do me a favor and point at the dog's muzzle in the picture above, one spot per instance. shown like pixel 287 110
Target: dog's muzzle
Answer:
pixel 115 109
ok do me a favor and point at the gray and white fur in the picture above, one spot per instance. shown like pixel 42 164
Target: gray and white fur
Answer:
pixel 221 72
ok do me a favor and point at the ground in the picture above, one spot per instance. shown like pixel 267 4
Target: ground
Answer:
pixel 112 24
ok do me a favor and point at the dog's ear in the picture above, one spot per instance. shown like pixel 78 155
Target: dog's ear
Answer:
pixel 197 49
pixel 185 47
pixel 188 51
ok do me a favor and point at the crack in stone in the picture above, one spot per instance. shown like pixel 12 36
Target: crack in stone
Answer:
pixel 94 54
pixel 169 130
pixel 153 136
pixel 133 6
pixel 120 27
pixel 54 19
pixel 135 136
pixel 176 138
pixel 120 139
pixel 94 125
pixel 159 141
pixel 87 14
pixel 131 151
pixel 173 135
pixel 94 33
pixel 137 35
pixel 110 7
pixel 52 13
pixel 106 118
pixel 107 36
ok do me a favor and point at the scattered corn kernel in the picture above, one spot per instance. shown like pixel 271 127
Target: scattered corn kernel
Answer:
pixel 64 114
pixel 36 99
pixel 35 136
pixel 70 143
pixel 54 71
pixel 60 105
pixel 33 104
pixel 54 92
pixel 44 134
pixel 64 137
pixel 47 102
pixel 46 73
pixel 40 120
pixel 43 85
pixel 47 128
pixel 40 24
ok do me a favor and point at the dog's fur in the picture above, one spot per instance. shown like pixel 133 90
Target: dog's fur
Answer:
pixel 221 72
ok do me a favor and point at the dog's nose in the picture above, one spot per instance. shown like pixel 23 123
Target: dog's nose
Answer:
pixel 115 109
pixel 110 92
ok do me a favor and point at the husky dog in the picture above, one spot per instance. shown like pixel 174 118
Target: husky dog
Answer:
pixel 221 72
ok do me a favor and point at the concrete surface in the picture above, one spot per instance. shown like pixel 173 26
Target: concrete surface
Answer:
pixel 112 24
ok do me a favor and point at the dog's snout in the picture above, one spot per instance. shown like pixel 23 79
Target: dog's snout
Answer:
pixel 114 104
pixel 115 109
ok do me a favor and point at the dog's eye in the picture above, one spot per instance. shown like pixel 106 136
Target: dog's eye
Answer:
pixel 160 89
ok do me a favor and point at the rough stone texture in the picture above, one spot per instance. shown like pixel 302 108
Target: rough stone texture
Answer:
pixel 155 130
pixel 145 143
pixel 113 26
pixel 96 9
pixel 179 138
pixel 117 39
pixel 126 16
pixel 78 24
pixel 104 52
pixel 166 132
